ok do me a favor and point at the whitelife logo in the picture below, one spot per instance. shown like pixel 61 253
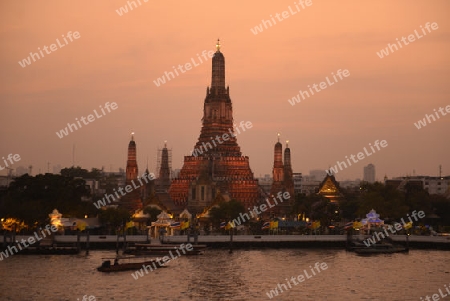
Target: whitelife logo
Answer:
pixel 11 250
pixel 108 198
pixel 124 9
pixel 162 261
pixel 423 122
pixel 27 61
pixel 204 147
pixel 411 38
pixel 243 217
pixel 319 267
pixel 10 158
pixel 360 155
pixel 322 85
pixel 397 227
pixel 280 17
pixel 90 118
pixel 187 66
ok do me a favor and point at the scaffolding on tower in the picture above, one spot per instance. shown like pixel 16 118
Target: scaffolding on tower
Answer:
pixel 164 166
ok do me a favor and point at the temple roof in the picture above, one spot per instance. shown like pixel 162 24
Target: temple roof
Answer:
pixel 330 188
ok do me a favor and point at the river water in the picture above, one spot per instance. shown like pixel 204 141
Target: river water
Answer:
pixel 242 275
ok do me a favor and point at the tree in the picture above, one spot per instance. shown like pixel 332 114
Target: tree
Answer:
pixel 226 211
pixel 74 172
pixel 95 173
pixel 153 212
pixel 350 203
pixel 113 218
pixel 387 200
pixel 31 199
pixel 441 207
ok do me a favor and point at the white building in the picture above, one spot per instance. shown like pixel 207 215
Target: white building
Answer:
pixel 298 179
pixel 265 183
pixel 434 185
pixel 317 174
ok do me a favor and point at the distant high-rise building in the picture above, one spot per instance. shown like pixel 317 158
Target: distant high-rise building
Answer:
pixel 298 178
pixel 317 175
pixel 265 183
pixel 369 173
pixel 434 185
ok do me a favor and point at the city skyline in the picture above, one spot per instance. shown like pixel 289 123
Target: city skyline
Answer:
pixel 109 58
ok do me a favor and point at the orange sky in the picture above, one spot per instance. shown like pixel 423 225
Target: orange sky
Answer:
pixel 117 58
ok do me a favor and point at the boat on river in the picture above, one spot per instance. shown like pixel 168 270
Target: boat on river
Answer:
pixel 161 250
pixel 382 248
pixel 117 267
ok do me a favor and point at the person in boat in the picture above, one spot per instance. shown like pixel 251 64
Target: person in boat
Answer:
pixel 106 264
pixel 116 261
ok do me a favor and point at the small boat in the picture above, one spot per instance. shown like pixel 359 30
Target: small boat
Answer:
pixel 148 249
pixel 116 267
pixel 382 248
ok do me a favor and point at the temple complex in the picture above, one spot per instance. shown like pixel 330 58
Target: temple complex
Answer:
pixel 216 166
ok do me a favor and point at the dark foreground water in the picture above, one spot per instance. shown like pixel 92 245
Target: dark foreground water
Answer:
pixel 242 275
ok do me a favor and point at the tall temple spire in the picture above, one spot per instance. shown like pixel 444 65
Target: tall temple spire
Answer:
pixel 278 162
pixel 132 200
pixel 217 115
pixel 132 168
pixel 277 171
pixel 215 163
pixel 288 172
pixel 218 70
pixel 218 45
pixel 287 155
pixel 164 168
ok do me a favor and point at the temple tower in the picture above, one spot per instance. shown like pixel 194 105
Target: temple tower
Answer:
pixel 282 178
pixel 132 168
pixel 288 173
pixel 164 160
pixel 216 162
pixel 132 200
pixel 278 169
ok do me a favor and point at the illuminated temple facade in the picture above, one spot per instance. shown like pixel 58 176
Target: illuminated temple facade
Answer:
pixel 215 168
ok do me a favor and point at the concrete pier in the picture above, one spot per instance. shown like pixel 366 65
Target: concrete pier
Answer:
pixel 65 243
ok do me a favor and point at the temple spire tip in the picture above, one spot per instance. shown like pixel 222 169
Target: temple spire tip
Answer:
pixel 218 45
